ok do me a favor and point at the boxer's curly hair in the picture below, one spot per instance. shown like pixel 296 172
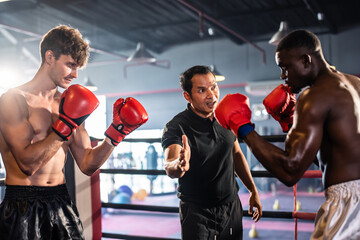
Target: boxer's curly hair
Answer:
pixel 185 77
pixel 67 41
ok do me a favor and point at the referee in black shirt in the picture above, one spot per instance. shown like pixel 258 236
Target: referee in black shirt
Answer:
pixel 206 158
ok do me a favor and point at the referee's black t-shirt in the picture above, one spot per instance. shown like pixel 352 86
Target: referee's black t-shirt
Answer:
pixel 210 180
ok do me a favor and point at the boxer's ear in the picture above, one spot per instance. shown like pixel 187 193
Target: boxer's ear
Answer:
pixel 306 60
pixel 49 56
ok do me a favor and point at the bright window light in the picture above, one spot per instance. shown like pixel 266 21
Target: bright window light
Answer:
pixel 95 124
pixel 10 78
pixel 148 133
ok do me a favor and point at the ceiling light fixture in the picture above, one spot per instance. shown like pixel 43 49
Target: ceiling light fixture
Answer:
pixel 218 76
pixel 90 85
pixel 141 55
pixel 282 32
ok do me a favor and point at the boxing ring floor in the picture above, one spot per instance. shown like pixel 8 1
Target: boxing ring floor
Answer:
pixel 166 225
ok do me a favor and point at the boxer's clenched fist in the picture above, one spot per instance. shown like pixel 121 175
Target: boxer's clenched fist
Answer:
pixel 233 112
pixel 128 115
pixel 280 104
pixel 76 104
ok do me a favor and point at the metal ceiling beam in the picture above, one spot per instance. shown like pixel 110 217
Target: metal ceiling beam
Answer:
pixel 219 24
pixel 17 6
pixel 13 40
pixel 326 19
pixel 39 36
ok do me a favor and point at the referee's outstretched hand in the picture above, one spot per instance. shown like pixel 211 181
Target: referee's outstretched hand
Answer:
pixel 185 154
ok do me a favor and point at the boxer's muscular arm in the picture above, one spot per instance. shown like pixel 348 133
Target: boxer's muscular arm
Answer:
pixel 87 158
pixel 177 159
pixel 302 142
pixel 128 115
pixel 18 134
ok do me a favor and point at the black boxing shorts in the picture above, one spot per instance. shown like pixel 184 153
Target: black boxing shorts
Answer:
pixel 222 222
pixel 34 213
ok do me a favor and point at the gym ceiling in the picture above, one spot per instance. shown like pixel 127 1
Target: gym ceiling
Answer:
pixel 116 26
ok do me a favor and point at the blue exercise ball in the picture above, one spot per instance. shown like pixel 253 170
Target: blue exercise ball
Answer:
pixel 121 198
pixel 125 189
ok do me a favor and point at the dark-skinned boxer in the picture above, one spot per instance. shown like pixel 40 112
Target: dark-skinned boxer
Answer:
pixel 326 119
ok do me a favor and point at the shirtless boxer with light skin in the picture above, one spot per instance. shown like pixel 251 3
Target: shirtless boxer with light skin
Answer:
pixel 326 119
pixel 38 125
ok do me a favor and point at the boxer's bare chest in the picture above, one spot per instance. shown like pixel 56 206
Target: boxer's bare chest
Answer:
pixel 42 113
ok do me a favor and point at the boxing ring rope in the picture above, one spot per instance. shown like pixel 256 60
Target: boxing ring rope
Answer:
pixel 150 208
pixel 123 236
pixel 266 214
pixel 304 215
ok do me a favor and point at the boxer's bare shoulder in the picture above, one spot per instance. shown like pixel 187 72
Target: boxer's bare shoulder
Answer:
pixel 13 107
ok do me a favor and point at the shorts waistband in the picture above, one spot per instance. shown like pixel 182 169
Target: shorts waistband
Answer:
pixel 31 192
pixel 350 187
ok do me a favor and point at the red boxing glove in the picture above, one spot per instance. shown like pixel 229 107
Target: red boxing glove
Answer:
pixel 76 104
pixel 128 115
pixel 233 112
pixel 280 104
